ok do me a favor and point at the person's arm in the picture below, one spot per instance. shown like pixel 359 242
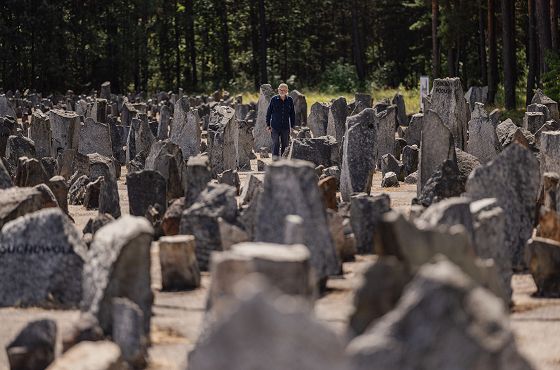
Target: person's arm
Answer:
pixel 269 113
pixel 292 114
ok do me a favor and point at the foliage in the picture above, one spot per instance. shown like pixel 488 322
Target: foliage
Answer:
pixel 551 79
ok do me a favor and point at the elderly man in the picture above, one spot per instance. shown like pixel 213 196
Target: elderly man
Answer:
pixel 280 119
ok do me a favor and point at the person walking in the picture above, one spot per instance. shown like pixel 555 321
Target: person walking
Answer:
pixel 280 119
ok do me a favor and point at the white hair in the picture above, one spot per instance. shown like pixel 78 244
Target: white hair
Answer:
pixel 283 85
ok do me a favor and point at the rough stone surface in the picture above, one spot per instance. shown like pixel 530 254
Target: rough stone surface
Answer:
pixel 118 265
pixel 381 287
pixel 318 119
pixel 128 332
pixel 513 179
pixel 185 129
pixel 386 123
pixel 201 219
pixel 389 180
pixel 449 320
pixel 223 140
pixel 543 258
pixel 34 346
pixel 365 214
pixel 413 133
pixel 260 132
pixel 290 188
pixel 198 176
pixel 336 123
pixel 40 133
pixel 483 141
pixel 259 332
pixel 145 188
pixel 65 127
pixel 436 147
pixel 95 137
pixel 322 150
pixel 42 261
pixel 448 101
pixel 359 156
pixel 177 257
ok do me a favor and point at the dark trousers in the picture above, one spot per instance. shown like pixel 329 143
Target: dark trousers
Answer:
pixel 279 141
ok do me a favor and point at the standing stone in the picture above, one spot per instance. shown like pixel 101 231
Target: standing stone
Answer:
pixel 318 119
pixel 410 159
pixel 128 332
pixel 6 107
pixel 327 186
pixel 223 140
pixel 65 127
pixel 436 146
pixel 118 265
pixel 513 179
pixel 386 122
pixel 245 145
pixel 398 101
pixel 290 188
pixel 550 152
pixel 7 128
pixel 177 258
pixel 359 155
pixel 336 125
pixel 58 186
pixel 267 333
pixel 145 188
pixel 361 102
pixel 483 141
pixel 40 133
pixel 34 347
pixel 143 135
pixel 99 111
pixel 365 214
pixel 300 107
pixel 260 132
pixel 536 107
pixel 41 261
pixel 413 133
pixel 476 94
pixel 468 326
pixel 163 124
pixel 167 158
pixel 185 128
pixel 198 176
pixel 322 150
pixel 533 121
pixel 552 106
pixel 105 92
pixel 95 137
pixel 448 101
pixel 201 219
pixel 109 196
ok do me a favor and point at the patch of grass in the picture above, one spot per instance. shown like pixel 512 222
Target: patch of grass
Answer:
pixel 411 97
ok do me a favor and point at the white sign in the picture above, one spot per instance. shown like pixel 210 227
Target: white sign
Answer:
pixel 424 89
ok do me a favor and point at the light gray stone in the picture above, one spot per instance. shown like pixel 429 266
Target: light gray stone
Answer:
pixel 483 141
pixel 359 156
pixel 290 188
pixel 448 101
pixel 185 128
pixel 260 132
pixel 513 179
pixel 118 265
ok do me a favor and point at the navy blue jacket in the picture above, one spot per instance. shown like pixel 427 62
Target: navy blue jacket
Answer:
pixel 281 114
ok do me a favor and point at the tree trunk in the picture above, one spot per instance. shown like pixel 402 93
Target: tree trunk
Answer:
pixel 542 12
pixel 508 38
pixel 224 36
pixel 263 43
pixel 436 61
pixel 554 24
pixel 359 55
pixel 254 44
pixel 189 9
pixel 177 46
pixel 492 54
pixel 482 45
pixel 531 52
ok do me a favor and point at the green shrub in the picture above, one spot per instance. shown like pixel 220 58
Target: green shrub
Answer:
pixel 551 79
pixel 339 77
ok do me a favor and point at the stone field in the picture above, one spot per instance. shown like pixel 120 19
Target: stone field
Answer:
pixel 156 232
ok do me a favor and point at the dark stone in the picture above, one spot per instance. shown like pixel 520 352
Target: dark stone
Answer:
pixel 34 347
pixel 145 188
